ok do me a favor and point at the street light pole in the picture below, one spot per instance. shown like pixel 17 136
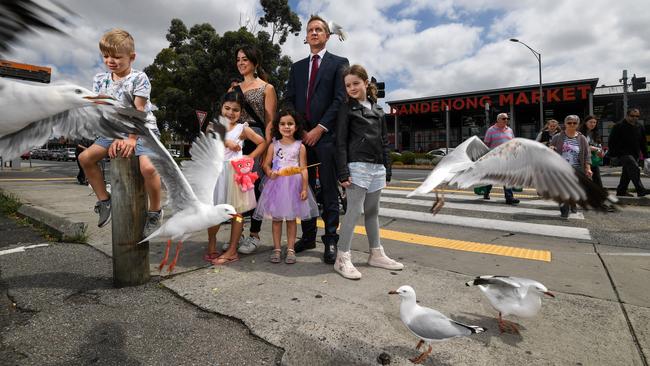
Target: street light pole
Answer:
pixel 538 56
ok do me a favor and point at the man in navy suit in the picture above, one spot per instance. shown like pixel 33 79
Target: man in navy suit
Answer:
pixel 316 90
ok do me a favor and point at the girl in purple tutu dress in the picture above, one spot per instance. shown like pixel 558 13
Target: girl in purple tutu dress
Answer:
pixel 285 197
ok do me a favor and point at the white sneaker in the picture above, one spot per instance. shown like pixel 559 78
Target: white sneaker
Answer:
pixel 248 245
pixel 343 265
pixel 379 259
pixel 226 245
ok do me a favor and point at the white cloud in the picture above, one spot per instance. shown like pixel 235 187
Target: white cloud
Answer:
pixel 419 47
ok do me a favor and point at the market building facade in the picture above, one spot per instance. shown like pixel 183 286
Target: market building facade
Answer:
pixel 421 123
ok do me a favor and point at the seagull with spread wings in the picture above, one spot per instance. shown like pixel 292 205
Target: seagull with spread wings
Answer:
pixel 512 296
pixel 34 113
pixel 519 162
pixel 189 189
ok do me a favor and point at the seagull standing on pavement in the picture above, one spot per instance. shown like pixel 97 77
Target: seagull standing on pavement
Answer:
pixel 190 191
pixel 512 296
pixel 519 162
pixel 427 324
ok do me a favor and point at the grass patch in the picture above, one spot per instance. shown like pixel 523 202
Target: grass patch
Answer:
pixel 9 204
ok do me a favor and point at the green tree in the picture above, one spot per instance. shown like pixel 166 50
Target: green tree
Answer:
pixel 196 69
pixel 282 20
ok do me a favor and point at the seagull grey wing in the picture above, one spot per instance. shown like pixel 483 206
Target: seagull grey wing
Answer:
pixel 501 286
pixel 432 325
pixel 525 163
pixel 25 16
pixel 86 122
pixel 460 159
pixel 206 165
pixel 179 192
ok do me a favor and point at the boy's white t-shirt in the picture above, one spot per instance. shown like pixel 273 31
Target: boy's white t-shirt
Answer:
pixel 136 84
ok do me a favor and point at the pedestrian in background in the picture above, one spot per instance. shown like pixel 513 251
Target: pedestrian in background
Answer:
pixel 499 133
pixel 574 148
pixel 588 130
pixel 627 142
pixel 363 166
pixel 551 129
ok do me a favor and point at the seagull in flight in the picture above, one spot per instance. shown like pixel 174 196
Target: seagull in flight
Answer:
pixel 512 296
pixel 26 16
pixel 190 188
pixel 428 324
pixel 33 113
pixel 519 162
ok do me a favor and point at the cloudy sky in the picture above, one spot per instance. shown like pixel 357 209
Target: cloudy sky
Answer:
pixel 419 47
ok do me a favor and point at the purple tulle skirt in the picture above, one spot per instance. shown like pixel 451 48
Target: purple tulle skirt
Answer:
pixel 280 200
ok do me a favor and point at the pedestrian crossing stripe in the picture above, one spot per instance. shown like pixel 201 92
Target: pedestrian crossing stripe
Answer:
pixel 517 194
pixel 466 246
pixel 500 188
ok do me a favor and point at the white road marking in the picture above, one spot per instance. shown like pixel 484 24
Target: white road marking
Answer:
pixel 502 209
pixel 490 224
pixel 468 197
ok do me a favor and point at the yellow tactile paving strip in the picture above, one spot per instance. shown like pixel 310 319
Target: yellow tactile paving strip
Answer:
pixel 35 179
pixel 466 246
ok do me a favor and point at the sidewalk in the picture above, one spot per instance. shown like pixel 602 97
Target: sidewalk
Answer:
pixel 319 318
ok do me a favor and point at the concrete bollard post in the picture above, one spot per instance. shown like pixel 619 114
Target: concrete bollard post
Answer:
pixel 129 210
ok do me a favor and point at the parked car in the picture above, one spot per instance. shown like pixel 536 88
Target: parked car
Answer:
pixel 54 154
pixel 26 155
pixel 439 152
pixel 68 154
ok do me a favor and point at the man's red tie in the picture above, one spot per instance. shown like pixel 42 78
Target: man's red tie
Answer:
pixel 312 81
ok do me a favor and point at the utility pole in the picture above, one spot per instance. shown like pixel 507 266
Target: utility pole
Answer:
pixel 624 81
pixel 447 128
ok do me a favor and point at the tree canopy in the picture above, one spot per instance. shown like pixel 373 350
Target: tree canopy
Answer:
pixel 196 69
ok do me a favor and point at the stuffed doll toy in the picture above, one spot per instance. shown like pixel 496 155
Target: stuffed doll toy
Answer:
pixel 244 174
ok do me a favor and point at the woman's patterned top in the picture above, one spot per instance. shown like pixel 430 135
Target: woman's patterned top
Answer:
pixel 255 98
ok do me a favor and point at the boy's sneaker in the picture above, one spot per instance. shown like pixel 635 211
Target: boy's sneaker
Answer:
pixel 103 208
pixel 154 219
pixel 248 245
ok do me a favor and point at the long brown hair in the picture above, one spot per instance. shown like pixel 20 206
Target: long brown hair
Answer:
pixel 583 129
pixel 255 57
pixel 359 71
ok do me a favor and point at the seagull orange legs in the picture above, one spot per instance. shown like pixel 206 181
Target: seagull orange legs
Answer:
pixel 438 203
pixel 423 355
pixel 166 256
pixel 504 325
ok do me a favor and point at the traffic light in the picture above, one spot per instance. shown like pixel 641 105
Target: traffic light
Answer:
pixel 638 83
pixel 381 87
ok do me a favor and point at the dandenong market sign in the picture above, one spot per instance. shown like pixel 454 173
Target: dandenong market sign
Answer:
pixel 550 95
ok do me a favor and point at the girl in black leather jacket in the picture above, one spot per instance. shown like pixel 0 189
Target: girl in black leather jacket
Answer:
pixel 363 168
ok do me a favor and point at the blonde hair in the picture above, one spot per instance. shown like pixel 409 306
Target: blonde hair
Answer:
pixel 358 70
pixel 117 41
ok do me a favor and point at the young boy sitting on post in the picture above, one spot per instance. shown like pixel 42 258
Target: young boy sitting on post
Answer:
pixel 131 88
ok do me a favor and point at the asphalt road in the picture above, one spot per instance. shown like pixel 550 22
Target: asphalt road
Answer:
pixel 59 307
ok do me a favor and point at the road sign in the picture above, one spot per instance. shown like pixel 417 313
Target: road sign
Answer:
pixel 200 115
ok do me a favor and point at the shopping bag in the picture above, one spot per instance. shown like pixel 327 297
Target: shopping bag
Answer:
pixel 480 191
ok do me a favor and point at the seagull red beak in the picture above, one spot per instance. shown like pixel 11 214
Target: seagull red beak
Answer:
pixel 549 294
pixel 235 215
pixel 392 292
